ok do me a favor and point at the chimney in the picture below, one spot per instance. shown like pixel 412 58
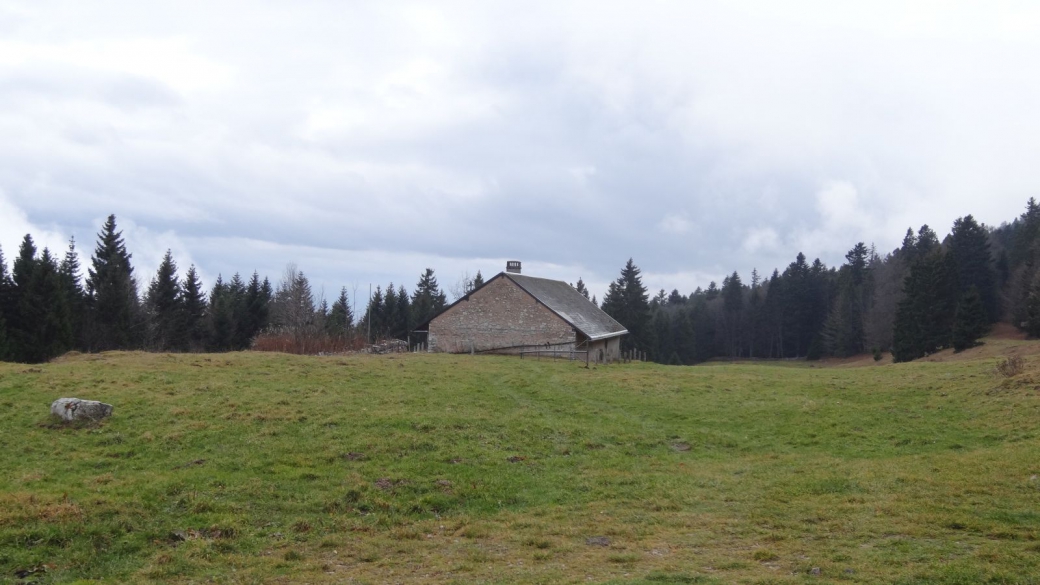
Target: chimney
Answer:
pixel 513 266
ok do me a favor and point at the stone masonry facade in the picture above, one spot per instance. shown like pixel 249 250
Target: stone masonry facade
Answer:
pixel 499 315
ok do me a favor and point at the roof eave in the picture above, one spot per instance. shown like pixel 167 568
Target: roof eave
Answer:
pixel 607 335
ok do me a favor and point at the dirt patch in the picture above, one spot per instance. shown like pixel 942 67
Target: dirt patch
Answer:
pixel 386 484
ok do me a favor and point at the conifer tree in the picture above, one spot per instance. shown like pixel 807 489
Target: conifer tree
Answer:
pixel 374 321
pixel 1031 324
pixel 844 330
pixel 970 322
pixel 163 305
pixel 6 307
pixel 21 323
pixel 112 293
pixel 391 319
pixel 427 299
pixel 732 308
pixel 924 318
pixel 478 281
pixel 970 255
pixel 193 310
pixel 71 278
pixel 580 287
pixel 341 319
pixel 404 314
pixel 627 302
pixel 46 328
pixel 255 312
pixel 221 316
pixel 239 303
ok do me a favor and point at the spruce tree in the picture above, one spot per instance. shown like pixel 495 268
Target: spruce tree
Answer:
pixel 71 279
pixel 404 312
pixel 221 317
pixel 973 263
pixel 427 298
pixel 478 281
pixel 970 322
pixel 239 303
pixel 6 307
pixel 46 327
pixel 256 311
pixel 732 310
pixel 924 318
pixel 21 321
pixel 391 319
pixel 843 332
pixel 166 329
pixel 112 293
pixel 193 311
pixel 627 302
pixel 341 318
pixel 374 321
pixel 580 287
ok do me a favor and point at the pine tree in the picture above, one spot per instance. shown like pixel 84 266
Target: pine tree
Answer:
pixel 924 318
pixel 732 308
pixel 970 321
pixel 193 311
pixel 22 321
pixel 341 319
pixel 580 287
pixel 163 306
pixel 1031 324
pixel 255 312
pixel 427 299
pixel 843 332
pixel 712 292
pixel 404 314
pixel 970 253
pixel 6 308
pixel 627 302
pixel 46 327
pixel 391 319
pixel 374 320
pixel 71 278
pixel 478 281
pixel 112 293
pixel 239 303
pixel 221 316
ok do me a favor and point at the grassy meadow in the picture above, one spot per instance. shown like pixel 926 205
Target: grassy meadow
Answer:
pixel 254 467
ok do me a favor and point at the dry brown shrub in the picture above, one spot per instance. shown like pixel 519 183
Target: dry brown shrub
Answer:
pixel 1010 366
pixel 314 344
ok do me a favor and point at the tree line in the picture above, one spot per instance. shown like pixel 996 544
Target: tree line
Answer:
pixel 922 297
pixel 49 307
pixel 925 296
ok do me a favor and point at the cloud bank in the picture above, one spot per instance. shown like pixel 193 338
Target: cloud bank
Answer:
pixel 366 141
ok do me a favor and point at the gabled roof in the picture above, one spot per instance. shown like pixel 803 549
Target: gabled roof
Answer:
pixel 563 300
pixel 572 306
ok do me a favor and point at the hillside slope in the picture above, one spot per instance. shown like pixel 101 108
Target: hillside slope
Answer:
pixel 273 468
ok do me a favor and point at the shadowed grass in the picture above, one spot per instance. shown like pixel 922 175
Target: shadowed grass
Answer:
pixel 268 467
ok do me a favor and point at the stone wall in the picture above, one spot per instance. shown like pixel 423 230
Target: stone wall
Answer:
pixel 498 315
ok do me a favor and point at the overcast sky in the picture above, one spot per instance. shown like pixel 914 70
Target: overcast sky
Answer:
pixel 367 141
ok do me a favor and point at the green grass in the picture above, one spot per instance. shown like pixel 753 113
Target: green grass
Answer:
pixel 274 468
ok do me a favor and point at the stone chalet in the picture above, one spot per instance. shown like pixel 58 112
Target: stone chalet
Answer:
pixel 511 312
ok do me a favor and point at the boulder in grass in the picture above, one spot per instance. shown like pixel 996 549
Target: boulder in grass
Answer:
pixel 73 409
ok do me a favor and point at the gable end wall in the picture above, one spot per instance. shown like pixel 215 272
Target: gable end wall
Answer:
pixel 500 314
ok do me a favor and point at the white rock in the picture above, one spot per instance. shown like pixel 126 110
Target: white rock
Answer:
pixel 75 409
